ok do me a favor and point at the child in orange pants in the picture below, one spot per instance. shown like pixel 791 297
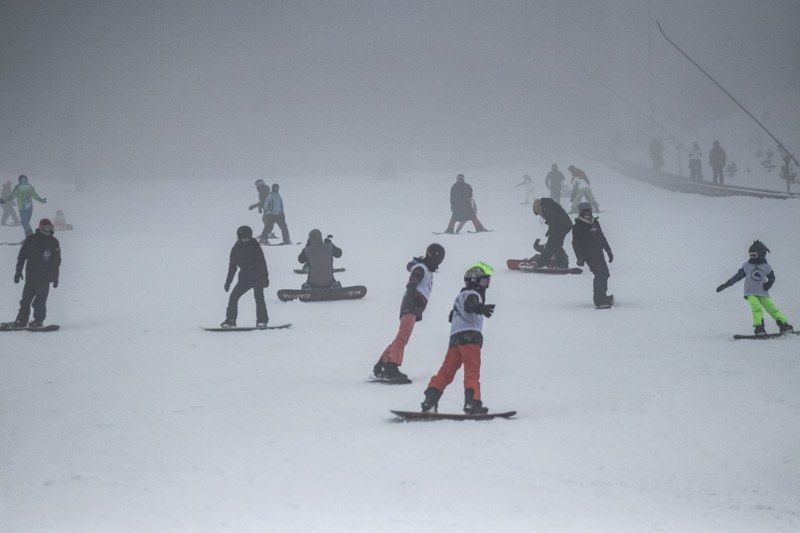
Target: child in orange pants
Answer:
pixel 466 340
pixel 415 299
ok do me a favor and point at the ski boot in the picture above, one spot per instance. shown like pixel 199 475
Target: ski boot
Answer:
pixel 379 371
pixel 259 325
pixel 34 324
pixel 784 327
pixel 610 299
pixel 392 372
pixel 449 231
pixel 431 401
pixel 228 324
pixel 759 329
pixel 472 406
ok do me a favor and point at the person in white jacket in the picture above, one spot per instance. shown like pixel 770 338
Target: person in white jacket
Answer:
pixel 695 162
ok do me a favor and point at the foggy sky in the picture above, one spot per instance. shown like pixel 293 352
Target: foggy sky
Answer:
pixel 140 89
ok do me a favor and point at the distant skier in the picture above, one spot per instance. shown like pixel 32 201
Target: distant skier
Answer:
pixel 558 225
pixel 24 194
pixel 263 191
pixel 657 154
pixel 581 189
pixel 553 181
pixel 274 214
pixel 319 255
pixel 717 159
pixel 530 193
pixel 41 256
pixel 8 205
pixel 474 206
pixel 758 278
pixel 696 162
pixel 589 243
pixel 415 300
pixel 461 205
pixel 246 256
pixel 466 340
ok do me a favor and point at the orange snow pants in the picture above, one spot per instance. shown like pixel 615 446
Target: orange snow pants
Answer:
pixel 470 356
pixel 394 352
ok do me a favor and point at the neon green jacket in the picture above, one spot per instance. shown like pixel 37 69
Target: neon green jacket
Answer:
pixel 23 193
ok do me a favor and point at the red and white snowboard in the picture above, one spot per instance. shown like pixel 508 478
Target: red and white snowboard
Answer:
pixel 523 265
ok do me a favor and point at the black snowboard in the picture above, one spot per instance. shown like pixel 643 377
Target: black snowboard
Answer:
pixel 9 326
pixel 766 337
pixel 322 295
pixel 410 416
pixel 301 271
pixel 388 381
pixel 279 244
pixel 282 326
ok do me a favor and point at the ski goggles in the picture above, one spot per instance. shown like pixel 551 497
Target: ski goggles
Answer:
pixel 46 229
pixel 754 255
pixel 483 283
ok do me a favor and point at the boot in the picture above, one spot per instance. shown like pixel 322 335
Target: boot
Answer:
pixel 759 329
pixel 34 324
pixel 431 401
pixel 379 370
pixel 228 324
pixel 391 371
pixel 261 325
pixel 784 327
pixel 472 406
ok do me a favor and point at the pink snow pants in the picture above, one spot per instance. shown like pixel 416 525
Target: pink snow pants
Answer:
pixel 470 356
pixel 394 352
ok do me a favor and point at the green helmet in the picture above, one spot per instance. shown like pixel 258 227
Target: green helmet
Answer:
pixel 477 276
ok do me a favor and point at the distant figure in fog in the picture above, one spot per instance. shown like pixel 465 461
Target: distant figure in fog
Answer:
pixel 263 191
pixel 461 205
pixel 8 205
pixel 717 159
pixel 657 154
pixel 273 214
pixel 24 194
pixel 581 189
pixel 695 162
pixel 553 181
pixel 530 194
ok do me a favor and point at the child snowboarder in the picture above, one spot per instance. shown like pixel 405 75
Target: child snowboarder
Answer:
pixel 41 256
pixel 466 340
pixel 415 300
pixel 589 242
pixel 247 256
pixel 758 278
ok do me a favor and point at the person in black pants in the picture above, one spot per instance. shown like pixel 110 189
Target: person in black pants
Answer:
pixel 589 243
pixel 247 256
pixel 41 256
pixel 558 225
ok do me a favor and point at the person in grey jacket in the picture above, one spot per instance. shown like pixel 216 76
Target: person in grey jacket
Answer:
pixel 717 158
pixel 319 255
pixel 273 214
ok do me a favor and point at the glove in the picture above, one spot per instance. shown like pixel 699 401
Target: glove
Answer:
pixel 55 283
pixel 44 200
pixel 766 286
pixel 610 257
pixel 581 262
pixel 252 207
pixel 17 277
pixel 538 246
pixel 266 282
pixel 328 238
pixel 722 287
pixel 487 310
pixel 450 316
pixel 227 286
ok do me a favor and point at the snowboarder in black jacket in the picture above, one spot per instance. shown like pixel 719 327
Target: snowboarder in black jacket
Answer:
pixel 41 256
pixel 461 205
pixel 558 225
pixel 247 256
pixel 589 243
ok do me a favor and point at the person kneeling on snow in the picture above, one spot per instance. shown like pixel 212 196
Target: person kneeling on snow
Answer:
pixel 758 278
pixel 319 255
pixel 558 225
pixel 589 242
pixel 466 340
pixel 415 300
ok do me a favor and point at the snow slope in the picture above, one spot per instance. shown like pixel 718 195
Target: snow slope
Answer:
pixel 647 417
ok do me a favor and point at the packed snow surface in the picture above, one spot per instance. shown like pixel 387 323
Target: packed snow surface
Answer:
pixel 645 417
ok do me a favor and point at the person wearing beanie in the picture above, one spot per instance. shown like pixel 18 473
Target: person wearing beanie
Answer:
pixel 24 194
pixel 553 181
pixel 462 206
pixel 40 255
pixel 558 225
pixel 589 243
pixel 758 279
pixel 8 205
pixel 248 257
pixel 415 300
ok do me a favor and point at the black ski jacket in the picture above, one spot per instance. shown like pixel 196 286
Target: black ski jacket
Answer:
pixel 41 256
pixel 554 215
pixel 588 241
pixel 248 257
pixel 460 205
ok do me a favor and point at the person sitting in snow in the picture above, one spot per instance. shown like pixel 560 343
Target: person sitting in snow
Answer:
pixel 319 255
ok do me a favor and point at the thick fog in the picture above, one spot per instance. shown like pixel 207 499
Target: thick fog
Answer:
pixel 120 89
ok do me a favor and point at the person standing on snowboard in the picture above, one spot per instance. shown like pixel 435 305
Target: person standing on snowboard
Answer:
pixel 319 255
pixel 273 214
pixel 461 205
pixel 589 243
pixel 553 182
pixel 466 340
pixel 758 279
pixel 415 300
pixel 558 225
pixel 248 258
pixel 41 256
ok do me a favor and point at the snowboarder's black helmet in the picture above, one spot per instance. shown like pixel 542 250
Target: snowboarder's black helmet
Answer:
pixel 434 255
pixel 244 232
pixel 22 178
pixel 478 275
pixel 275 187
pixel 758 250
pixel 460 177
pixel 259 182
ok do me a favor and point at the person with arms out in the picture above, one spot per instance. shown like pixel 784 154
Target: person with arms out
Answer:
pixel 461 205
pixel 24 194
pixel 319 255
pixel 246 256
pixel 717 159
pixel 558 225
pixel 589 242
pixel 41 256
pixel 581 189
pixel 413 304
pixel 530 193
pixel 758 279
pixel 554 181
pixel 466 341
pixel 8 205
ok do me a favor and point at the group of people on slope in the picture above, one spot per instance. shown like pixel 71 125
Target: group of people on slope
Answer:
pixel 581 188
pixel 716 159
pixel 270 206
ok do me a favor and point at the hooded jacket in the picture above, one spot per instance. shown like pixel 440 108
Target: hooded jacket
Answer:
pixel 248 257
pixel 319 256
pixel 460 201
pixel 588 240
pixel 554 215
pixel 41 256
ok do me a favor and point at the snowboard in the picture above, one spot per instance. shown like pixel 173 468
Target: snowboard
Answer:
pixel 322 295
pixel 484 231
pixel 11 243
pixel 766 337
pixel 279 244
pixel 9 326
pixel 460 232
pixel 522 265
pixel 410 416
pixel 246 328
pixel 388 381
pixel 301 271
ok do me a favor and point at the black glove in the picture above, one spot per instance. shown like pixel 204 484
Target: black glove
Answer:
pixel 17 277
pixel 610 257
pixel 487 310
pixel 722 287
pixel 538 246
pixel 328 238
pixel 227 286
pixel 266 282
pixel 55 283
pixel 252 207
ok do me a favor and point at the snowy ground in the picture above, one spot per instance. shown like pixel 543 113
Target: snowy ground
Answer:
pixel 647 417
